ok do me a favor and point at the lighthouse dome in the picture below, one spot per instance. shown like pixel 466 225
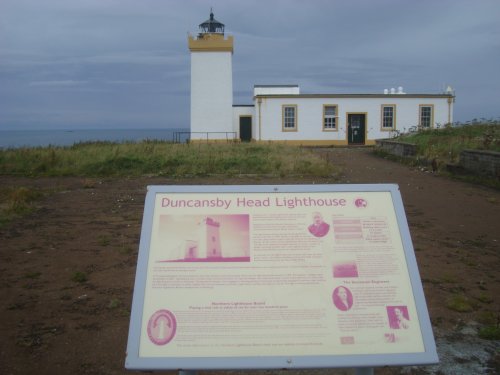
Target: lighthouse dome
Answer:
pixel 211 26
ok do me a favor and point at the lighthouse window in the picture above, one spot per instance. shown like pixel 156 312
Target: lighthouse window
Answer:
pixel 426 116
pixel 289 118
pixel 388 116
pixel 330 117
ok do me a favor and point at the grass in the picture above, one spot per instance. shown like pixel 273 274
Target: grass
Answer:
pixel 32 275
pixel 460 303
pixel 490 332
pixel 445 144
pixel 114 303
pixel 92 160
pixel 16 202
pixel 79 277
pixel 449 278
pixel 99 159
pixel 103 240
pixel 485 298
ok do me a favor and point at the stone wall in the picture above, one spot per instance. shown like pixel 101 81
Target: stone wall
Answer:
pixel 401 149
pixel 486 163
pixel 481 162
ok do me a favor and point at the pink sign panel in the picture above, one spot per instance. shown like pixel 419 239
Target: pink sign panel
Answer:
pixel 275 273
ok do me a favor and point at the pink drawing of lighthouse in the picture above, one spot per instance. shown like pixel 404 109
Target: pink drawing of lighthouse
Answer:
pixel 203 238
pixel 208 245
pixel 210 238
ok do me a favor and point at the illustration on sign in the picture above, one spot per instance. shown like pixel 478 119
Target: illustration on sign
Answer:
pixel 318 228
pixel 342 298
pixel 205 238
pixel 161 327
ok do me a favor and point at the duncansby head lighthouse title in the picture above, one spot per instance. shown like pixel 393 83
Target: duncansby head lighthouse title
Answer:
pixel 288 202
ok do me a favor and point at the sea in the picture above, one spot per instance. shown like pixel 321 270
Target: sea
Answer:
pixel 44 138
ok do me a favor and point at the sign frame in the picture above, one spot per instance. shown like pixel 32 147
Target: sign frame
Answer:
pixel 135 362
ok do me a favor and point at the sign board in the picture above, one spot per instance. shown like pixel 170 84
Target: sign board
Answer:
pixel 286 276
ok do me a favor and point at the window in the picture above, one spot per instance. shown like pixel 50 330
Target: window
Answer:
pixel 330 117
pixel 426 116
pixel 388 116
pixel 289 118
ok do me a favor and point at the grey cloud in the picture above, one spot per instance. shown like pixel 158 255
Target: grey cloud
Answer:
pixel 58 83
pixel 118 63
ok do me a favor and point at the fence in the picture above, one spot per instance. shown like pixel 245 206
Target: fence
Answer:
pixel 185 137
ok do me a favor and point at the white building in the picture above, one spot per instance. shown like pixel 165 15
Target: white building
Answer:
pixel 280 113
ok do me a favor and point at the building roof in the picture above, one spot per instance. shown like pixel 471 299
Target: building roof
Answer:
pixel 315 96
pixel 275 86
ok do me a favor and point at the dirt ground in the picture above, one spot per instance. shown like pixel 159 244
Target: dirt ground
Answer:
pixel 52 324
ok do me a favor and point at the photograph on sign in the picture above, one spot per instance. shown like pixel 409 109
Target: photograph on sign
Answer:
pixel 271 274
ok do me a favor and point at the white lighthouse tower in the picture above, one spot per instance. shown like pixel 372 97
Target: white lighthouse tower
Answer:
pixel 211 82
pixel 209 245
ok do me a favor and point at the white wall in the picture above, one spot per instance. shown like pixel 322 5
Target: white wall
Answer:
pixel 211 94
pixel 276 90
pixel 243 111
pixel 310 115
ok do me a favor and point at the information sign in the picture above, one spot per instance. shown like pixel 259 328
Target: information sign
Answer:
pixel 286 276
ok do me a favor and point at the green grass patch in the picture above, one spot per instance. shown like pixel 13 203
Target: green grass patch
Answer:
pixel 114 303
pixel 103 240
pixel 104 159
pixel 460 303
pixel 33 275
pixel 485 298
pixel 488 318
pixel 126 250
pixel 16 202
pixel 490 332
pixel 445 144
pixel 79 277
pixel 449 278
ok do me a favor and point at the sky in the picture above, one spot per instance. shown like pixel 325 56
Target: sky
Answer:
pixel 106 64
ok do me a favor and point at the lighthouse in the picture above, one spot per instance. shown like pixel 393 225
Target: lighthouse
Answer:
pixel 211 82
pixel 209 244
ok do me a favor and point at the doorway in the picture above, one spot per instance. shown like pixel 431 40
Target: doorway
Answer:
pixel 245 128
pixel 356 128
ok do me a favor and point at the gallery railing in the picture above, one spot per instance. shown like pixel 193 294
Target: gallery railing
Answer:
pixel 185 137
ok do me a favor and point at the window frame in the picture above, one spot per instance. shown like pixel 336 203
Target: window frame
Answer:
pixel 382 117
pixel 336 117
pixel 283 118
pixel 431 119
